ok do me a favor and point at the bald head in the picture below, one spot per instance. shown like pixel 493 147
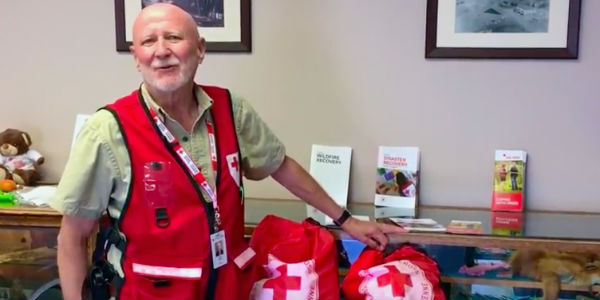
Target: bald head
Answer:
pixel 164 12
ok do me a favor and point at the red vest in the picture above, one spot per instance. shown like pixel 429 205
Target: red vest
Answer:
pixel 175 262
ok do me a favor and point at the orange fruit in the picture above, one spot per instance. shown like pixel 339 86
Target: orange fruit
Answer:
pixel 7 185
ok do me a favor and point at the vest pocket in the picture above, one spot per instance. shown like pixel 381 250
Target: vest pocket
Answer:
pixel 160 282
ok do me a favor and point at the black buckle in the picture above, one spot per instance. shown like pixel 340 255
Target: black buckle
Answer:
pixel 161 219
pixel 97 276
pixel 115 238
pixel 101 274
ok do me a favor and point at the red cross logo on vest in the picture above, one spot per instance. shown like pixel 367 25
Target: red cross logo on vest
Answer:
pixel 234 167
pixel 398 280
pixel 287 281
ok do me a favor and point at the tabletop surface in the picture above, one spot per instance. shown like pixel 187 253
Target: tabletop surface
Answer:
pixel 538 225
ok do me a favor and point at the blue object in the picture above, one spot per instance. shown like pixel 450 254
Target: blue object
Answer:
pixel 389 175
pixel 353 248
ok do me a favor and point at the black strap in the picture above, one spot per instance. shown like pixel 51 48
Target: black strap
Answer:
pixel 100 250
pixel 343 218
pixel 114 238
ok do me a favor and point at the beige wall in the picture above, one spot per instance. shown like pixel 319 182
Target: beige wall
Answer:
pixel 338 72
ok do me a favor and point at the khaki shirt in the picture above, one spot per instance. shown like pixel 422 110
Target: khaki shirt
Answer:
pixel 98 173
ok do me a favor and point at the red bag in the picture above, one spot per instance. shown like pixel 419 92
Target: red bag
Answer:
pixel 293 261
pixel 404 274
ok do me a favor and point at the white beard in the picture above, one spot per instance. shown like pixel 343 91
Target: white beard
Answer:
pixel 186 73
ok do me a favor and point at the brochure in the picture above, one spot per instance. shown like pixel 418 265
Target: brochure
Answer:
pixel 330 166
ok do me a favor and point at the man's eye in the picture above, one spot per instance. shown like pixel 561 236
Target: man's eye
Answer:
pixel 147 42
pixel 173 38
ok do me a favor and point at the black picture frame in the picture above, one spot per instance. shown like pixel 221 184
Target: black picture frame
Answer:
pixel 242 42
pixel 570 51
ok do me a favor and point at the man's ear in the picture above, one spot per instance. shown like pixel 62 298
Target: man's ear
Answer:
pixel 135 59
pixel 201 49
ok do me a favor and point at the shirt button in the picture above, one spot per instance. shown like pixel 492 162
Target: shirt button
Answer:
pixel 185 138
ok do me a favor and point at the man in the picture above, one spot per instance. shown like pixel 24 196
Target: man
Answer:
pixel 514 172
pixel 163 162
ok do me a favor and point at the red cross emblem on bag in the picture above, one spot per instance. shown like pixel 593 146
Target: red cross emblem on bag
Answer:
pixel 396 280
pixel 297 281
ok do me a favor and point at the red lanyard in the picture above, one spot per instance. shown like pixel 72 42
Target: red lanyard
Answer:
pixel 213 145
pixel 187 160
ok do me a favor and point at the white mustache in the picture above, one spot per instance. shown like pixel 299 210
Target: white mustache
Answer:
pixel 171 61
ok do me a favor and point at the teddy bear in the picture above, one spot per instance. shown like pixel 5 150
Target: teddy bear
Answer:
pixel 17 161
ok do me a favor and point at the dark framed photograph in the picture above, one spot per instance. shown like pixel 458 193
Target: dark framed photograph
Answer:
pixel 502 28
pixel 225 24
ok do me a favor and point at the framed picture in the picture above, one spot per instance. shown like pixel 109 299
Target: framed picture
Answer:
pixel 502 28
pixel 225 24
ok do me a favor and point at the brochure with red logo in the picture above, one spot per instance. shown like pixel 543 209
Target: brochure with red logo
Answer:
pixel 509 180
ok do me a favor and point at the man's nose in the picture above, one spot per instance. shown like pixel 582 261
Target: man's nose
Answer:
pixel 162 49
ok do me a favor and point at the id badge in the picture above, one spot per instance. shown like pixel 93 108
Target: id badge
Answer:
pixel 218 248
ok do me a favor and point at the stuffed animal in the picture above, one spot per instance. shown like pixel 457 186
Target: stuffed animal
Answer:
pixel 17 161
pixel 552 267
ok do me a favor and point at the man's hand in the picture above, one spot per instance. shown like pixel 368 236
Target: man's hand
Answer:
pixel 371 233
